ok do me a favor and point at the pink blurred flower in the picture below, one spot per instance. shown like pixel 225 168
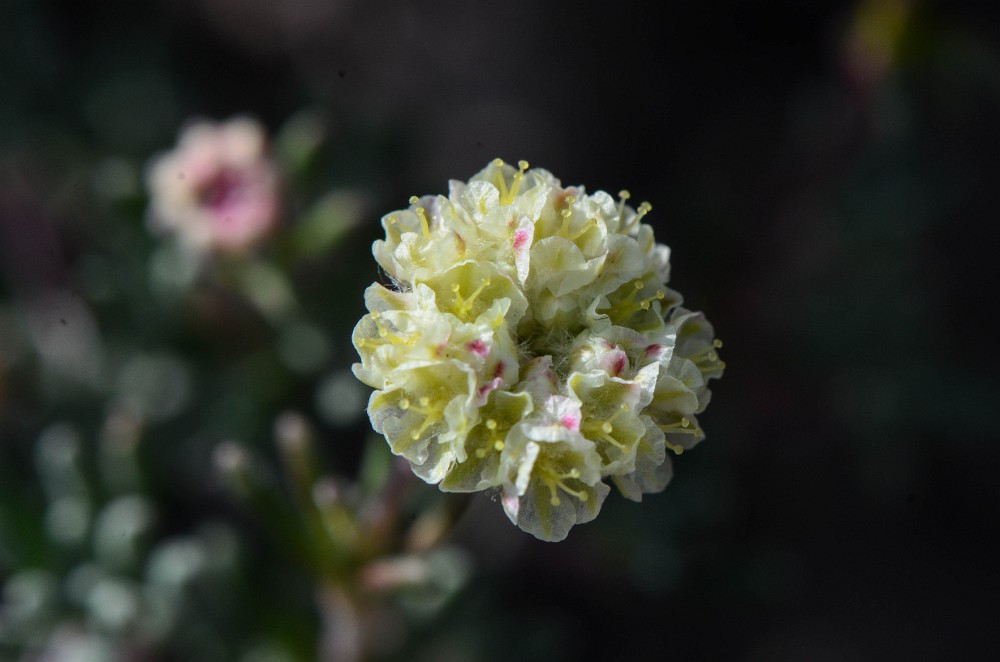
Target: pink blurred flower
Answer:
pixel 217 190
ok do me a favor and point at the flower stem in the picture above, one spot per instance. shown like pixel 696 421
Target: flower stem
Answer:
pixel 342 634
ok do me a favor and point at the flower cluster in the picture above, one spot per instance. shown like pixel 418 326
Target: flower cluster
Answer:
pixel 218 189
pixel 529 343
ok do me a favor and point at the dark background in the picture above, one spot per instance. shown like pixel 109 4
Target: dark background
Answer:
pixel 830 200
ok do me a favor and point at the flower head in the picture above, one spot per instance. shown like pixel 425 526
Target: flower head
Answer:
pixel 529 344
pixel 217 190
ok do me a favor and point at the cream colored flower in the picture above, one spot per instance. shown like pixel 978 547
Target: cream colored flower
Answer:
pixel 529 344
pixel 217 190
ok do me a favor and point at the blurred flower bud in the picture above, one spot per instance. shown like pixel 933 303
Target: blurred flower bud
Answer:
pixel 218 189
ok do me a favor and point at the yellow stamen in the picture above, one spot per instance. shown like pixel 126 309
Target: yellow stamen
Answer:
pixel 591 223
pixel 495 442
pixel 682 426
pixel 602 429
pixel 431 414
pixel 579 494
pixel 706 355
pixel 393 338
pixel 422 215
pixel 566 215
pixel 644 304
pixel 518 176
pixel 624 195
pixel 555 481
pixel 683 423
pixel 626 307
pixel 392 230
pixel 463 305
pixel 644 208
pixel 554 499
pixel 507 195
pixel 499 181
pixel 636 286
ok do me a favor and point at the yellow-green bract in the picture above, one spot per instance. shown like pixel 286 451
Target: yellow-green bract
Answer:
pixel 528 343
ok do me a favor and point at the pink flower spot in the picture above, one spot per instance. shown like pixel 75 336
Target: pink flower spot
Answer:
pixel 477 347
pixel 570 422
pixel 498 370
pixel 483 392
pixel 520 237
pixel 614 361
pixel 225 193
pixel 652 349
